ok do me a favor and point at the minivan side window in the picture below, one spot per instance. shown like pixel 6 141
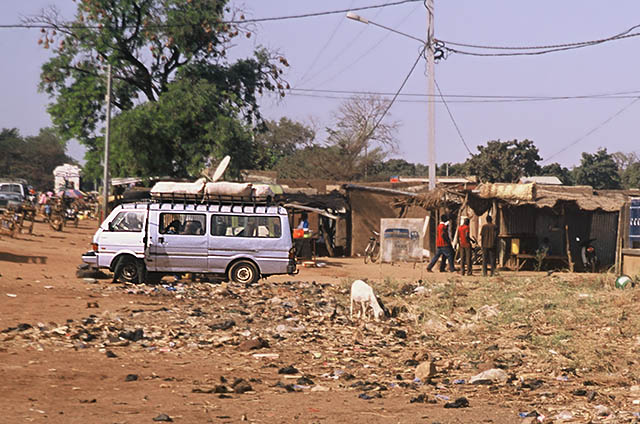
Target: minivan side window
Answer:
pixel 127 221
pixel 183 223
pixel 246 226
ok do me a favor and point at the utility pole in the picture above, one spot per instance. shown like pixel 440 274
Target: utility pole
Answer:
pixel 431 107
pixel 105 177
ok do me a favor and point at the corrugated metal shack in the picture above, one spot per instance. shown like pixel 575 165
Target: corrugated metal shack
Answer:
pixel 528 213
pixel 370 204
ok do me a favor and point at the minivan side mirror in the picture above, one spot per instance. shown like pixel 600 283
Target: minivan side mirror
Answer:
pixel 110 226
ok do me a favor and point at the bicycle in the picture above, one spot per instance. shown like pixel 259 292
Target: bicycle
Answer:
pixel 372 251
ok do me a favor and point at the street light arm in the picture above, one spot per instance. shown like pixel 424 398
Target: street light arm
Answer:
pixel 358 18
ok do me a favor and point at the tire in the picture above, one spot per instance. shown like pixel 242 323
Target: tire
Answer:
pixel 367 253
pixel 243 272
pixel 129 270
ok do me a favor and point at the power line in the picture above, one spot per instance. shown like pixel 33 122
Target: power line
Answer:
pixel 488 101
pixel 342 51
pixel 366 52
pixel 404 82
pixel 596 128
pixel 322 50
pixel 476 98
pixel 620 35
pixel 242 21
pixel 453 119
pixel 539 52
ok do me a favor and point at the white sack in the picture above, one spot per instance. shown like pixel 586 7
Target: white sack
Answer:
pixel 223 188
pixel 168 187
pixel 262 190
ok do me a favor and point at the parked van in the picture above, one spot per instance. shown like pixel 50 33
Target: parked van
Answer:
pixel 143 241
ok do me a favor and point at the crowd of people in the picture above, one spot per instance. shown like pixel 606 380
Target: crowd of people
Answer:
pixel 445 251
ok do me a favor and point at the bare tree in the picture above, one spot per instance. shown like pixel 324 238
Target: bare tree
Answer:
pixel 361 135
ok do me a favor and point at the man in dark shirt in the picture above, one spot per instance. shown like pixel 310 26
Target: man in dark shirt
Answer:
pixel 443 246
pixel 465 248
pixel 489 235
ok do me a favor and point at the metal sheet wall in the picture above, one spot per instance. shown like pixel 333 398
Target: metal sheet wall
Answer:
pixel 518 220
pixel 604 228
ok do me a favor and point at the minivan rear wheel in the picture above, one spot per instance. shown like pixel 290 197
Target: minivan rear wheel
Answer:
pixel 243 272
pixel 128 270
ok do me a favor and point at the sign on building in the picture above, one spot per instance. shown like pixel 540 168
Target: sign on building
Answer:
pixel 634 223
pixel 401 239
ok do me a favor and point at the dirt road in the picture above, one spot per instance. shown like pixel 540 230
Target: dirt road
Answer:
pixel 75 350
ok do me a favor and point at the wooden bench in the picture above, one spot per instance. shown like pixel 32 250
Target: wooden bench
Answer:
pixel 523 258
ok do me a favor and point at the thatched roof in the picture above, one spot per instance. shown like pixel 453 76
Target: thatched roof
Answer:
pixel 438 198
pixel 547 196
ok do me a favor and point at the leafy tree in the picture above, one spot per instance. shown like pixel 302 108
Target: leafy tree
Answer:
pixel 452 169
pixel 624 160
pixel 31 158
pixel 280 139
pixel 385 169
pixel 631 176
pixel 151 45
pixel 556 170
pixel 598 170
pixel 506 161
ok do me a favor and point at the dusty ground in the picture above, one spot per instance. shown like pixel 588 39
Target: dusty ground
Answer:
pixel 70 352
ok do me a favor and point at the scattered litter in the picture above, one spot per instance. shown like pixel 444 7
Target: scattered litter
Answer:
pixel 494 375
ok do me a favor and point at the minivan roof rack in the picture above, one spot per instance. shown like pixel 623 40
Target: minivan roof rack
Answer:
pixel 215 199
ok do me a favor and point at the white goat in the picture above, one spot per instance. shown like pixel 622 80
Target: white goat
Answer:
pixel 363 295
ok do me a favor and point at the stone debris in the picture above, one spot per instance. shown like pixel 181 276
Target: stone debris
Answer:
pixel 296 336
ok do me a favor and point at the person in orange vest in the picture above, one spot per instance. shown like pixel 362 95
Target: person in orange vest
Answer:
pixel 443 246
pixel 465 248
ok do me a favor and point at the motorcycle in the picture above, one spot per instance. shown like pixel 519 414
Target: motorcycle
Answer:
pixel 71 214
pixel 588 254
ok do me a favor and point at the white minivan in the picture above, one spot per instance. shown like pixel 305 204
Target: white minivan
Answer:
pixel 142 241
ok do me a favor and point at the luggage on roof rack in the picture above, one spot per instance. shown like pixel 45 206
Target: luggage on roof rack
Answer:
pixel 214 199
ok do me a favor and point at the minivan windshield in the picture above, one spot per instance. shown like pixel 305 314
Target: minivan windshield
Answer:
pixel 13 188
pixel 127 221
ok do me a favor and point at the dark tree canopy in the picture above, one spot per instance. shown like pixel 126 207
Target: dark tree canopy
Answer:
pixel 556 170
pixel 152 45
pixel 279 140
pixel 631 176
pixel 598 170
pixel 504 161
pixel 31 158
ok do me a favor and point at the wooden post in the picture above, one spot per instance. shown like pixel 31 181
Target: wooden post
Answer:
pixel 620 238
pixel 566 232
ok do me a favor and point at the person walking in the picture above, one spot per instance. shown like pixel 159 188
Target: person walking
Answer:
pixel 489 235
pixel 443 246
pixel 465 248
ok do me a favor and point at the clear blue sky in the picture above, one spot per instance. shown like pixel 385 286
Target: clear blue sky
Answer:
pixel 367 58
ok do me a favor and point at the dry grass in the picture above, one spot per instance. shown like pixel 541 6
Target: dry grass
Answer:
pixel 569 320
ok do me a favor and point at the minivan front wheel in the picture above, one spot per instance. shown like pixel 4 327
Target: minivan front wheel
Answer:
pixel 128 270
pixel 243 272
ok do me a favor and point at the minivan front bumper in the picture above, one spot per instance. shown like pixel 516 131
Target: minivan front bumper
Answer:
pixel 90 258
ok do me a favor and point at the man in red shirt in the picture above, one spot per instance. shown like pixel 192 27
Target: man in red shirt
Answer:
pixel 465 248
pixel 443 246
